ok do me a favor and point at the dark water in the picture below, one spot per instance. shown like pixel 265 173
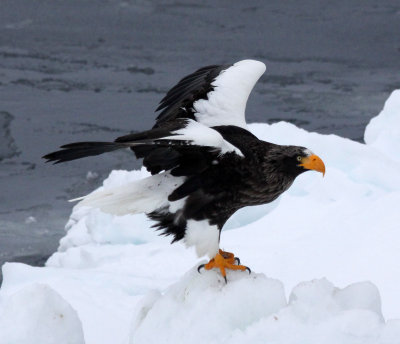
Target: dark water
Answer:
pixel 92 70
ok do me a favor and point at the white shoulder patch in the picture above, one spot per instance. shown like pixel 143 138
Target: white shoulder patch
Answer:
pixel 202 135
pixel 226 104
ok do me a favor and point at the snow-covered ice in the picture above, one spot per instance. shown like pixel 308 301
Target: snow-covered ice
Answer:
pixel 38 314
pixel 383 132
pixel 253 309
pixel 120 282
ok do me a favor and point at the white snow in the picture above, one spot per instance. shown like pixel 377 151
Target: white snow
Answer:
pixel 383 131
pixel 122 283
pixel 253 309
pixel 210 310
pixel 38 314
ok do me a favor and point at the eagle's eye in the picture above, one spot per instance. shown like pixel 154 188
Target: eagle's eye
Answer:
pixel 299 158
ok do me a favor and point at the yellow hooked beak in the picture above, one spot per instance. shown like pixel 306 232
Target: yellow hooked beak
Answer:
pixel 313 162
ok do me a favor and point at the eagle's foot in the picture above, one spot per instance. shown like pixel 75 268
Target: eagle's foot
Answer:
pixel 224 260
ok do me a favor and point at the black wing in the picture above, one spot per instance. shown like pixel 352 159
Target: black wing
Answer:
pixel 178 102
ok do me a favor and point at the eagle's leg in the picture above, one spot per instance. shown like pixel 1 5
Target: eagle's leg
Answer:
pixel 224 260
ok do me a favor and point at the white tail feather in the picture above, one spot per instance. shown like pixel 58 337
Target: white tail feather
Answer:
pixel 141 196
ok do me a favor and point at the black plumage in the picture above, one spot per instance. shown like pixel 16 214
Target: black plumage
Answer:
pixel 178 101
pixel 212 170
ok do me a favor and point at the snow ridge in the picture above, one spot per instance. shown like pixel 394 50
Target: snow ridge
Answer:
pixel 253 309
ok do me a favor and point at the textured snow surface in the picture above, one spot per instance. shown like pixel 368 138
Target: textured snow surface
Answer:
pixel 253 309
pixel 38 314
pixel 383 131
pixel 120 282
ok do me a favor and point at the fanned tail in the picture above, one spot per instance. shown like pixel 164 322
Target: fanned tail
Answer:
pixel 141 196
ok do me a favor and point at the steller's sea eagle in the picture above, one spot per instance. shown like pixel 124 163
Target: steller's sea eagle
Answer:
pixel 205 163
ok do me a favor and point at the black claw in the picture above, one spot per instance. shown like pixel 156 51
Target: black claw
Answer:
pixel 237 260
pixel 200 267
pixel 226 281
pixel 248 269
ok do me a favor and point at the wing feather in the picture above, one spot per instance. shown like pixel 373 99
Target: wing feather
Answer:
pixel 213 95
pixel 226 104
pixel 181 97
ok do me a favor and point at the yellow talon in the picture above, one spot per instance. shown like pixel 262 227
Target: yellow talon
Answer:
pixel 224 260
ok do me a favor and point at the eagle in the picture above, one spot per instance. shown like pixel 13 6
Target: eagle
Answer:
pixel 204 162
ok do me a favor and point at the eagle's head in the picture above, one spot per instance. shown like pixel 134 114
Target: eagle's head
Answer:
pixel 295 160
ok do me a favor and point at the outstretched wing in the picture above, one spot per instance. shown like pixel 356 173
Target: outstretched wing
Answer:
pixel 182 145
pixel 213 95
pixel 183 138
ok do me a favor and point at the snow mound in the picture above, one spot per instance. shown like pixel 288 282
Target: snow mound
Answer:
pixel 318 312
pixel 253 309
pixel 38 314
pixel 383 131
pixel 207 306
